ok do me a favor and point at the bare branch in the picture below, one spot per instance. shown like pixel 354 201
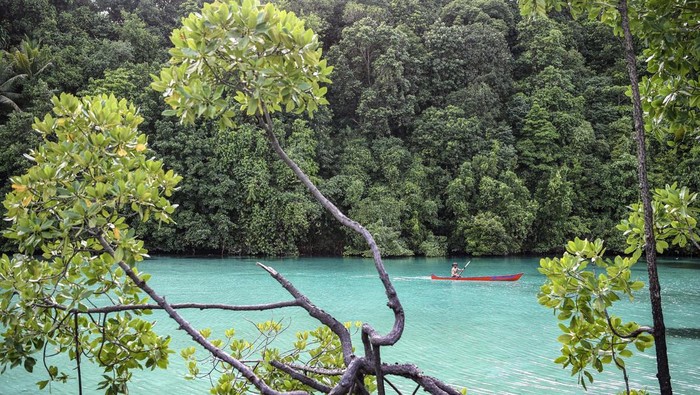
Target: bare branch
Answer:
pixel 322 371
pixel 336 326
pixel 176 306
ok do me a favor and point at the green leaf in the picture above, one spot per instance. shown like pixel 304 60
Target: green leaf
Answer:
pixel 564 339
pixel 29 363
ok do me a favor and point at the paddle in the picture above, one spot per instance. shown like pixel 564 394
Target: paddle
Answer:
pixel 465 266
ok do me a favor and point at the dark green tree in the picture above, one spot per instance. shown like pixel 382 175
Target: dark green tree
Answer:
pixel 377 68
pixel 492 207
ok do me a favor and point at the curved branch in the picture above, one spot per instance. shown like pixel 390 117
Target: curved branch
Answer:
pixel 393 301
pixel 360 365
pixel 633 334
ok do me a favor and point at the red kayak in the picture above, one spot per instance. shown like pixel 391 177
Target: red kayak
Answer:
pixel 507 277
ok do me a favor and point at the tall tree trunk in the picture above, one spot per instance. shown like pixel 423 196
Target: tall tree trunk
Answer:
pixel 663 374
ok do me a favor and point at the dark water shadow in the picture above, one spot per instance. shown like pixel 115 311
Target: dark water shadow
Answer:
pixel 680 263
pixel 687 333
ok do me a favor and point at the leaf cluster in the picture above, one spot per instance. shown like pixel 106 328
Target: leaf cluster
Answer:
pixel 580 288
pixel 90 175
pixel 675 218
pixel 246 55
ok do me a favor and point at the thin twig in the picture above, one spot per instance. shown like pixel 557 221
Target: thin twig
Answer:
pixel 77 353
pixel 621 367
pixel 317 370
pixel 392 386
pixel 336 326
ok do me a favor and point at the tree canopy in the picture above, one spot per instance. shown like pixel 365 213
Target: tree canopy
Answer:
pixel 427 88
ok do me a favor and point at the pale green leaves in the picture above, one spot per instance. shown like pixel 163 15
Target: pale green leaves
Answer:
pixel 605 12
pixel 66 211
pixel 91 165
pixel 670 30
pixel 675 214
pixel 580 287
pixel 245 56
pixel 534 8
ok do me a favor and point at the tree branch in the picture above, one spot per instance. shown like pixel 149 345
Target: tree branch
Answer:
pixel 633 334
pixel 315 370
pixel 621 367
pixel 176 306
pixel 306 380
pixel 430 384
pixel 336 326
pixel 77 353
pixel 393 301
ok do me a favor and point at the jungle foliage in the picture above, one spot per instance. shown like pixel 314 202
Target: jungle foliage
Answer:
pixel 452 128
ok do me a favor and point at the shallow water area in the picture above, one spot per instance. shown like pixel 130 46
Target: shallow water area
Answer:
pixel 490 337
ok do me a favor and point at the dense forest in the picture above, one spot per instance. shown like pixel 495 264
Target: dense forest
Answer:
pixel 454 127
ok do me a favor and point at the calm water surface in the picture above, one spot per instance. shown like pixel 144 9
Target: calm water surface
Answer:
pixel 492 338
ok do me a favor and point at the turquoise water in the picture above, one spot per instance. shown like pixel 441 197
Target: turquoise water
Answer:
pixel 492 338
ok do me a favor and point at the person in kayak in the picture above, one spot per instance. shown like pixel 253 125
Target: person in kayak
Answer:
pixel 455 270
